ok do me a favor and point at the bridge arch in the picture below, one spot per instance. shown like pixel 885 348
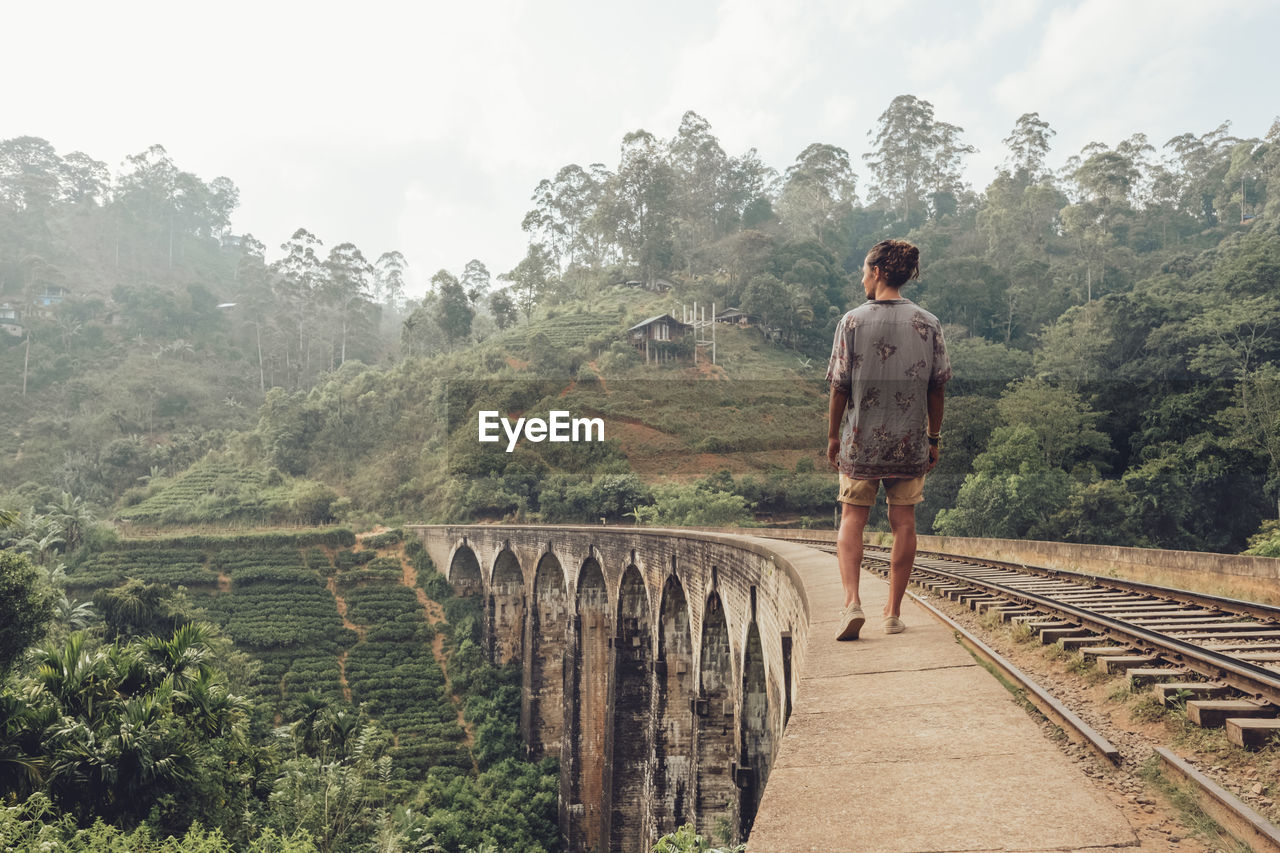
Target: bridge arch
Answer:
pixel 464 571
pixel 506 609
pixel 673 738
pixel 589 709
pixel 549 622
pixel 756 752
pixel 715 795
pixel 633 697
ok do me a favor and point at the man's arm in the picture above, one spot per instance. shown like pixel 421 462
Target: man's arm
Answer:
pixel 933 406
pixel 835 415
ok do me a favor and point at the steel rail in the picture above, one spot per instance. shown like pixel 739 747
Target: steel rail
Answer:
pixel 1234 605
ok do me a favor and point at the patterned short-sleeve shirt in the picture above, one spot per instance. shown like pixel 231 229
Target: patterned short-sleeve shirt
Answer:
pixel 888 352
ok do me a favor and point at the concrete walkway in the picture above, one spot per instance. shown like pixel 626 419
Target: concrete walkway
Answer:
pixel 903 743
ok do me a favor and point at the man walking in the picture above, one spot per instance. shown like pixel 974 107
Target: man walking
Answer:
pixel 888 372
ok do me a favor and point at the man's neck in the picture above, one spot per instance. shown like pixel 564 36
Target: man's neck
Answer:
pixel 884 292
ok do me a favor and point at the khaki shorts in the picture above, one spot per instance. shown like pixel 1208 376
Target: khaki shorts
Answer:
pixel 900 491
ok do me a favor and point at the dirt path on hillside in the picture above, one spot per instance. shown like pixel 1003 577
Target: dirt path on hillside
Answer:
pixel 332 586
pixel 435 615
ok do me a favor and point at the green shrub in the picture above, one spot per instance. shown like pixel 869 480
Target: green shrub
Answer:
pixel 385 539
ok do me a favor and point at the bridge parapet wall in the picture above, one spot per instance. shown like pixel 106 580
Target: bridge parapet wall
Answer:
pixel 1238 575
pixel 667 686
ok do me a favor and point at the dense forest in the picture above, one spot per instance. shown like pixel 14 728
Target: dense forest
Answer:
pixel 1112 319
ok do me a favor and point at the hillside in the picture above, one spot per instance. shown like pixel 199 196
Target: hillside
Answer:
pixel 326 616
pixel 1113 344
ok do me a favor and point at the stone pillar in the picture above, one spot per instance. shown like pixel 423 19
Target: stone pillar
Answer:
pixel 632 774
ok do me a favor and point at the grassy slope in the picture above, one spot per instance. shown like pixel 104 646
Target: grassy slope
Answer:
pixel 759 405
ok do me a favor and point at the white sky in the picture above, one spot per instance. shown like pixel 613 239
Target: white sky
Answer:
pixel 425 126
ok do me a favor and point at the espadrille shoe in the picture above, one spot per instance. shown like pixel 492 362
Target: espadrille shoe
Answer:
pixel 851 622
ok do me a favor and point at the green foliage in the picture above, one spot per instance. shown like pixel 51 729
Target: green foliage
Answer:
pixel 394 672
pixel 1011 493
pixel 331 537
pixel 334 799
pixel 125 730
pixel 564 332
pixel 687 840
pixel 692 505
pixel 802 490
pixel 614 497
pixel 511 806
pixel 1061 424
pixel 136 608
pixel 36 826
pixel 174 566
pixel 26 606
pixel 385 539
pixel 220 491
pixel 1266 542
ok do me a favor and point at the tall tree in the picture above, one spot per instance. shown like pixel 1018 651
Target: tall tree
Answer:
pixel 389 277
pixel 299 277
pixel 563 213
pixel 701 171
pixel 638 203
pixel 476 281
pixel 1028 146
pixel 503 308
pixel 456 312
pixel 818 192
pixel 529 279
pixel 1202 163
pixel 346 288
pixel 917 159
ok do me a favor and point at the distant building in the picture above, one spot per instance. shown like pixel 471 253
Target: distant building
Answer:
pixel 53 294
pixel 9 321
pixel 738 317
pixel 657 285
pixel 232 242
pixel 655 330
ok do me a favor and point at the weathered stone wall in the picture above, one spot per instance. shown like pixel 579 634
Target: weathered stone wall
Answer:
pixel 653 666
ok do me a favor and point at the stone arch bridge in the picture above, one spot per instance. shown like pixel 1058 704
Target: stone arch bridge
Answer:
pixel 658 665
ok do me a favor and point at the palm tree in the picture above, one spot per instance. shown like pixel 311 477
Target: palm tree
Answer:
pixel 39 543
pixel 212 709
pixel 74 677
pixel 20 763
pixel 134 607
pixel 182 659
pixel 73 516
pixel 8 518
pixel 76 615
pixel 306 728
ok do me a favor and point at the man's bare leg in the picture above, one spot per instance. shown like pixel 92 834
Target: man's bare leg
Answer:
pixel 849 549
pixel 902 521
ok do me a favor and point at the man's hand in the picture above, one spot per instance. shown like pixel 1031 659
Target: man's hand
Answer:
pixel 933 457
pixel 833 452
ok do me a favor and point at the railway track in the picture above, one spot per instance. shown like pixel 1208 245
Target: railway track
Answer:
pixel 1219 656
